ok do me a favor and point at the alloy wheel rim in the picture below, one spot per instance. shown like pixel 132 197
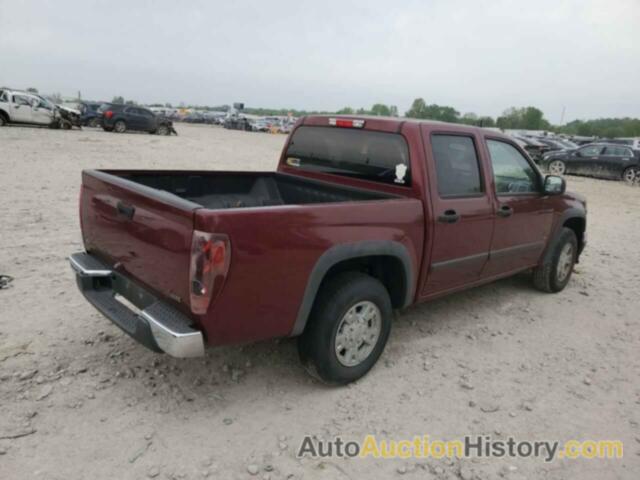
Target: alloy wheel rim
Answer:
pixel 630 175
pixel 120 127
pixel 565 263
pixel 557 167
pixel 358 333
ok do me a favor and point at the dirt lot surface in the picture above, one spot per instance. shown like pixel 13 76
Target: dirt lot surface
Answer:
pixel 80 400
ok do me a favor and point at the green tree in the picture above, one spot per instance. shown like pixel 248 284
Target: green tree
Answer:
pixel 381 110
pixel 469 118
pixel 345 111
pixel 486 122
pixel 417 110
pixel 526 118
pixel 118 100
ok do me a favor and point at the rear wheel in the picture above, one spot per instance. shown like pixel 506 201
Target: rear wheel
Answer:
pixel 557 167
pixel 93 123
pixel 557 266
pixel 120 126
pixel 348 328
pixel 630 175
pixel 3 120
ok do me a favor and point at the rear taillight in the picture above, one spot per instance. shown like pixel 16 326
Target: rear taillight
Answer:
pixel 108 114
pixel 210 257
pixel 346 123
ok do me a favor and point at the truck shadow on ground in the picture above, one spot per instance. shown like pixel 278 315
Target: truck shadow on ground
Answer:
pixel 272 367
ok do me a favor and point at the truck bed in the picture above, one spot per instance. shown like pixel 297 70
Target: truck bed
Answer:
pixel 141 225
pixel 221 190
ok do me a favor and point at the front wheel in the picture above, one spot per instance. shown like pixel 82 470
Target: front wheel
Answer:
pixel 163 130
pixel 3 121
pixel 557 167
pixel 93 123
pixel 557 265
pixel 348 328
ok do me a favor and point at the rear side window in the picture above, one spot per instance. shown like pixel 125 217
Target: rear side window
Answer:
pixel 618 152
pixel 511 170
pixel 456 166
pixel 377 156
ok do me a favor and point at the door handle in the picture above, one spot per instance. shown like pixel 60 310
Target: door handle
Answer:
pixel 449 216
pixel 126 210
pixel 505 211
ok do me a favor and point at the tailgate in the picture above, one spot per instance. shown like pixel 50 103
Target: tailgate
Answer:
pixel 139 231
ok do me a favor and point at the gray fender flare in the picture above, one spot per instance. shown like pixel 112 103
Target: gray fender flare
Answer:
pixel 566 215
pixel 344 252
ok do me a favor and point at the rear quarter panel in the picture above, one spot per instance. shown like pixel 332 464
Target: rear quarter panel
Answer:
pixel 274 249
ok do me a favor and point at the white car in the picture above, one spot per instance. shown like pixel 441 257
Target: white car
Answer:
pixel 24 107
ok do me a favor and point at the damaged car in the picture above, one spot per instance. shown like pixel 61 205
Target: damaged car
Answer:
pixel 21 107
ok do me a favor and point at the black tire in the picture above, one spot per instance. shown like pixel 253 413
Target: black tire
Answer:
pixel 630 175
pixel 163 130
pixel 317 347
pixel 93 123
pixel 3 120
pixel 120 126
pixel 547 276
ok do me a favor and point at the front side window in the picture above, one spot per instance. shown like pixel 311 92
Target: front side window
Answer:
pixel 457 167
pixel 376 156
pixel 592 151
pixel 512 172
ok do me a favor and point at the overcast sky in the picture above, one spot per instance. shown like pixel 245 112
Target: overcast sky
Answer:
pixel 477 56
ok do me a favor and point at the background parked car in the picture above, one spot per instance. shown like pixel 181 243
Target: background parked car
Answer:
pixel 120 118
pixel 534 148
pixel 17 106
pixel 631 142
pixel 89 114
pixel 600 160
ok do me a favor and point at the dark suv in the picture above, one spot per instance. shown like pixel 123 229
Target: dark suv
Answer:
pixel 120 118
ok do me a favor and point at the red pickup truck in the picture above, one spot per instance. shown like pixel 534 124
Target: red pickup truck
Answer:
pixel 363 216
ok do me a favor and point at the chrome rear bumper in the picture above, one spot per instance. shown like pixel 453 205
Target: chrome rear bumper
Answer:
pixel 156 325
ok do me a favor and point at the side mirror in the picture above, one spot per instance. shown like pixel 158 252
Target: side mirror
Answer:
pixel 554 185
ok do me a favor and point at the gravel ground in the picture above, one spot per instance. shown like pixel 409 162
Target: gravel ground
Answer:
pixel 80 400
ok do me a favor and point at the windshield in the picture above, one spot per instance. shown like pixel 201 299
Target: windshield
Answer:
pixel 377 156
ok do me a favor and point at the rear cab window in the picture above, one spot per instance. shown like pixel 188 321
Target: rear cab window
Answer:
pixel 364 154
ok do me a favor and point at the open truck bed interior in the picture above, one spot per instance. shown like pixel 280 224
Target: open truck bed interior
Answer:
pixel 238 190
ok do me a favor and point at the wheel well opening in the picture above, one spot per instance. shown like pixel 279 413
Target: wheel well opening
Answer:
pixel 578 226
pixel 4 115
pixel 387 269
